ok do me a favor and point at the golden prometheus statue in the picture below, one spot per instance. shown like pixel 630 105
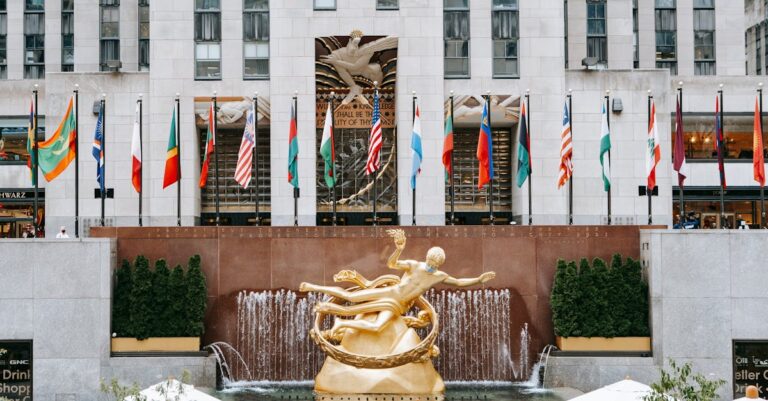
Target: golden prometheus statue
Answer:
pixel 373 346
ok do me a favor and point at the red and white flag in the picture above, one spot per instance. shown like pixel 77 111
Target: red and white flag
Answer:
pixel 245 155
pixel 136 151
pixel 374 140
pixel 653 153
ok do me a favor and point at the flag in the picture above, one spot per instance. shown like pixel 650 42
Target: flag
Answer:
pixel 485 150
pixel 58 151
pixel 653 154
pixel 566 150
pixel 98 149
pixel 679 151
pixel 136 151
pixel 448 145
pixel 245 154
pixel 31 141
pixel 605 150
pixel 328 150
pixel 524 167
pixel 719 144
pixel 758 159
pixel 374 140
pixel 293 151
pixel 172 173
pixel 416 147
pixel 210 143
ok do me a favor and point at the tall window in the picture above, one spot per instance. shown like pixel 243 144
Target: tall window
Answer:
pixel 565 33
pixel 765 34
pixel 758 52
pixel 456 37
pixel 666 35
pixel 386 4
pixel 704 37
pixel 3 40
pixel 34 39
pixel 505 34
pixel 325 4
pixel 207 39
pixel 109 43
pixel 635 36
pixel 143 35
pixel 256 39
pixel 597 40
pixel 67 35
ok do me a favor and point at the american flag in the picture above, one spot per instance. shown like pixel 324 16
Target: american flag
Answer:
pixel 566 150
pixel 374 141
pixel 245 155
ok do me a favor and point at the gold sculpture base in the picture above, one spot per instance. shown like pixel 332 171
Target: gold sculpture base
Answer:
pixel 412 378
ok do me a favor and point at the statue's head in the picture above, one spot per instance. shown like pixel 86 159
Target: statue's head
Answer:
pixel 435 257
pixel 356 35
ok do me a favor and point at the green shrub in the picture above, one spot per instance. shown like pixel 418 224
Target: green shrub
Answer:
pixel 141 299
pixel 121 307
pixel 161 307
pixel 196 297
pixel 596 300
pixel 681 384
pixel 177 289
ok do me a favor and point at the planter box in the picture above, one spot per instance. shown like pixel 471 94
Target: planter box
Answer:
pixel 589 344
pixel 156 344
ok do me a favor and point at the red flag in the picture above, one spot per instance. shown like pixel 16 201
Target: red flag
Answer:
pixel 679 151
pixel 720 142
pixel 758 159
pixel 210 142
pixel 485 150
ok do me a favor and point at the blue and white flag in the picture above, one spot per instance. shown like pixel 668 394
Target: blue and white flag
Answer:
pixel 416 146
pixel 98 148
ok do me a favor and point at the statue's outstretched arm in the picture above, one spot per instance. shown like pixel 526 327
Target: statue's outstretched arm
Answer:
pixel 466 282
pixel 393 262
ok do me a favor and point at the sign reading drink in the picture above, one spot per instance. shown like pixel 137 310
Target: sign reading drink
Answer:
pixel 750 366
pixel 16 370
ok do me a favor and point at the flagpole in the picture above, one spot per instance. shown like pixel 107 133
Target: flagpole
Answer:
pixel 530 173
pixel 570 180
pixel 376 173
pixel 178 163
pixel 255 154
pixel 413 197
pixel 608 119
pixel 720 150
pixel 490 138
pixel 216 153
pixel 681 191
pixel 649 191
pixel 296 189
pixel 35 171
pixel 77 162
pixel 453 166
pixel 103 168
pixel 333 161
pixel 762 188
pixel 141 152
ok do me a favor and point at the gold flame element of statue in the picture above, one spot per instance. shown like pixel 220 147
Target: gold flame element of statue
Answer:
pixel 377 349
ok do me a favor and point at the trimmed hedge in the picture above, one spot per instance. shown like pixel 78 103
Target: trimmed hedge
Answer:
pixel 597 300
pixel 158 302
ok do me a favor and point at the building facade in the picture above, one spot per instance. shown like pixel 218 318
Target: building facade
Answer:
pixel 232 49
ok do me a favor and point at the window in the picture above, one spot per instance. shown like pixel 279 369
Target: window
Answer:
pixel 699 134
pixel 704 37
pixel 3 41
pixel 13 131
pixel 67 35
pixel 456 38
pixel 758 51
pixel 34 39
pixel 635 36
pixel 207 39
pixel 143 35
pixel 109 43
pixel 386 5
pixel 505 34
pixel 565 33
pixel 666 35
pixel 597 40
pixel 256 39
pixel 325 4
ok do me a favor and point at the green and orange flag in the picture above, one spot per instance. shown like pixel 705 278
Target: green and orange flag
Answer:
pixel 210 142
pixel 293 151
pixel 172 173
pixel 58 151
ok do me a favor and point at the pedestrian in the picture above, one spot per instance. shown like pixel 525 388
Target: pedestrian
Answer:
pixel 62 233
